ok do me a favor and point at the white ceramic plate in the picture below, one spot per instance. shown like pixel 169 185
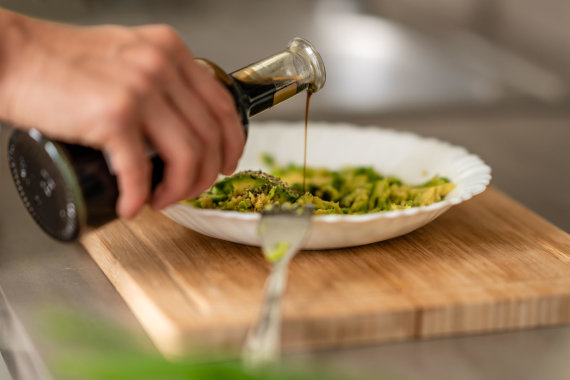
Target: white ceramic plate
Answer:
pixel 412 158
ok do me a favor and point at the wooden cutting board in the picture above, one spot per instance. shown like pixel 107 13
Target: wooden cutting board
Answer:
pixel 486 265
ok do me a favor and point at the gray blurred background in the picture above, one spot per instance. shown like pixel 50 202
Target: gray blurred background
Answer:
pixel 491 75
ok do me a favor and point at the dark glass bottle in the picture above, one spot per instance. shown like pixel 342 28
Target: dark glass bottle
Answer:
pixel 69 187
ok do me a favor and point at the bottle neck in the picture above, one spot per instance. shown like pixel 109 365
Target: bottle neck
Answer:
pixel 263 93
pixel 252 92
pixel 267 82
pixel 278 77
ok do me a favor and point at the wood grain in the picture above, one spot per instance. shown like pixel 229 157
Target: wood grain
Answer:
pixel 486 265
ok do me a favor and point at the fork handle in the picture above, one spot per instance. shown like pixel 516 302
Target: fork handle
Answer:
pixel 264 339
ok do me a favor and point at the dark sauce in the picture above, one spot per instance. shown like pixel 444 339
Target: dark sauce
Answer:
pixel 307 103
pixel 264 94
pixel 259 95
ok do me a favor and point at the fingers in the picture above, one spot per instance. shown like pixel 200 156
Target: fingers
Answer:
pixel 127 152
pixel 180 148
pixel 176 120
pixel 185 114
pixel 205 128
pixel 219 105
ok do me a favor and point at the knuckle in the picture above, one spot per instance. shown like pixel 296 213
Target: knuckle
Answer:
pixel 226 105
pixel 211 136
pixel 119 107
pixel 155 61
pixel 116 29
pixel 140 83
pixel 166 35
pixel 187 159
pixel 183 164
pixel 180 186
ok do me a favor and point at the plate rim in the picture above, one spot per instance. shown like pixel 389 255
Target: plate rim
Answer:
pixel 484 179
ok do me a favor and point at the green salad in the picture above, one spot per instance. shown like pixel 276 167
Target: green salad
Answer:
pixel 351 190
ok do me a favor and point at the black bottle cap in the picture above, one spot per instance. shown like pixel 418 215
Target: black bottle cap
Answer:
pixel 47 184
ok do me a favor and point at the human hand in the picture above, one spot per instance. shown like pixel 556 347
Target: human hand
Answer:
pixel 119 89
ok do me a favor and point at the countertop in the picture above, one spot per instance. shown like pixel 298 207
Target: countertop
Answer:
pixel 37 273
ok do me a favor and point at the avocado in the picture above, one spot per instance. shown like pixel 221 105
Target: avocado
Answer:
pixel 350 190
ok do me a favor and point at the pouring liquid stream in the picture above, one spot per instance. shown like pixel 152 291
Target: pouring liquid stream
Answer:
pixel 307 103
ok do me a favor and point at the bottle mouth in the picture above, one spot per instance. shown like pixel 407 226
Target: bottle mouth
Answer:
pixel 302 46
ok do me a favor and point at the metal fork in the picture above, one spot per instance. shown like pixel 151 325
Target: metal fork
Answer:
pixel 282 231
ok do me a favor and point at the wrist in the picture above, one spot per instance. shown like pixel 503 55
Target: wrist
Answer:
pixel 13 36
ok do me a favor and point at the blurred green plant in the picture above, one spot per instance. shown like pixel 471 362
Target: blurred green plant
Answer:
pixel 90 349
